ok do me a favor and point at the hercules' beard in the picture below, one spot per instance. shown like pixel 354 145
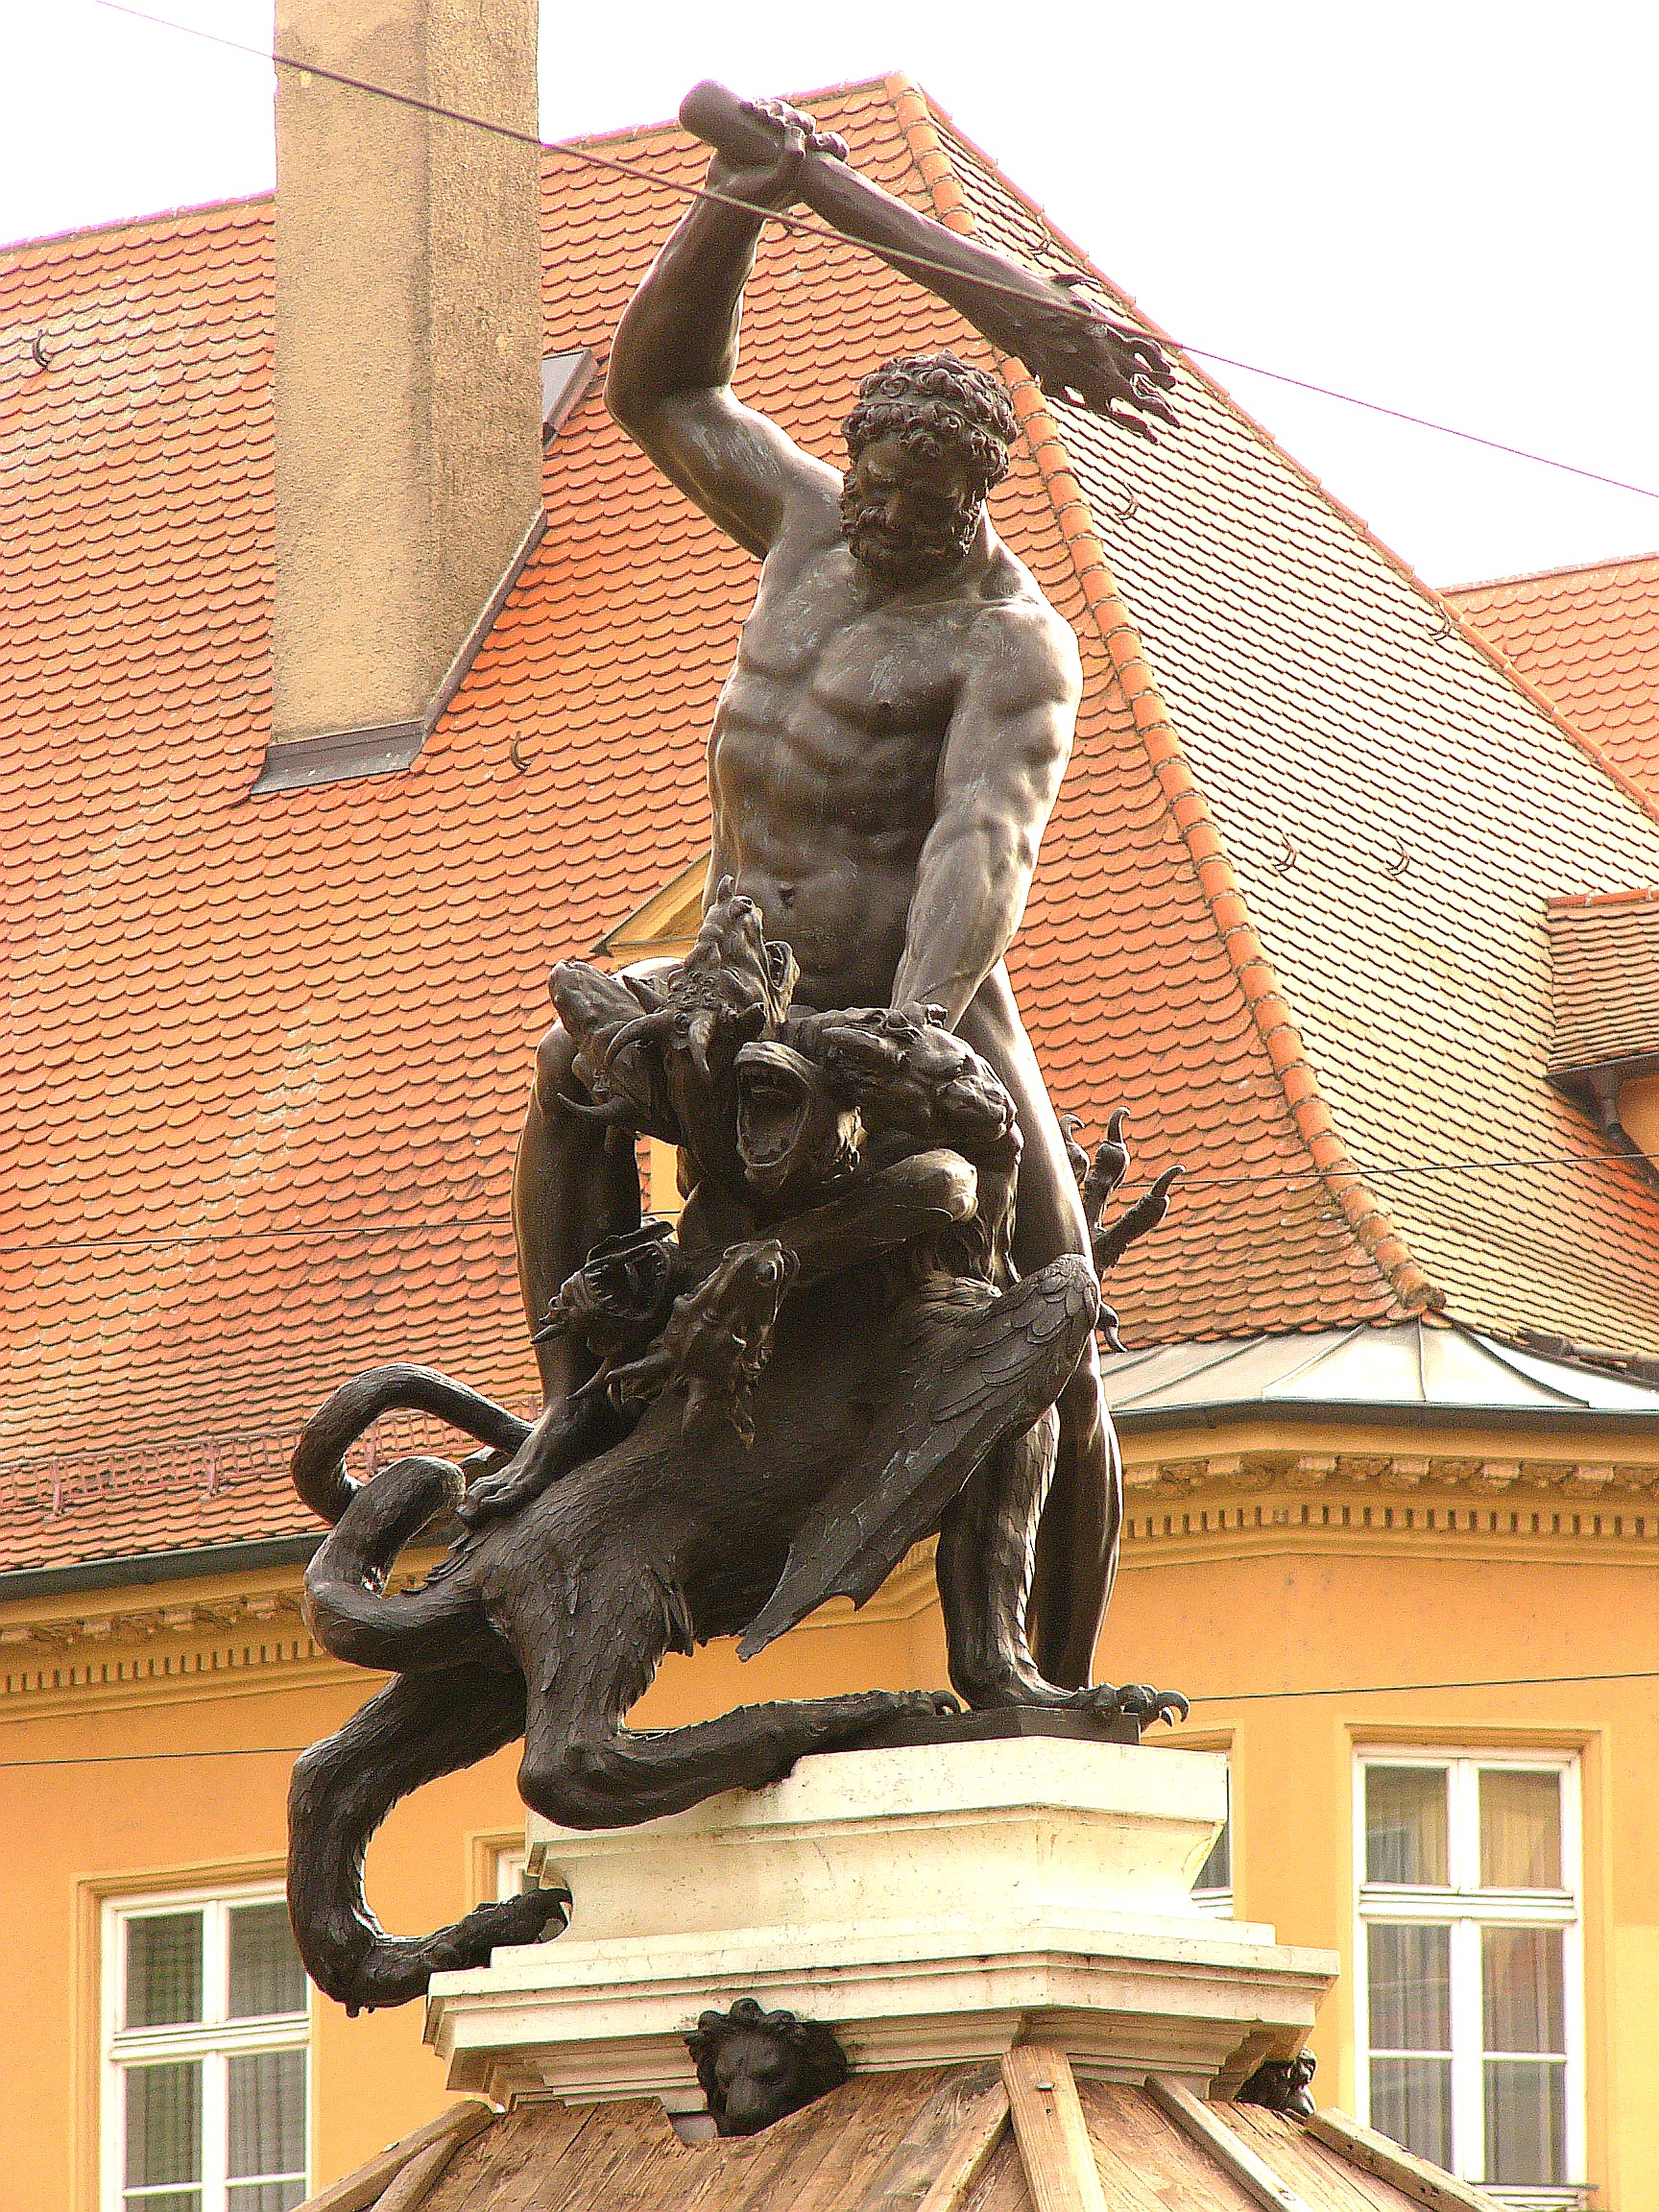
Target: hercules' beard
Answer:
pixel 912 557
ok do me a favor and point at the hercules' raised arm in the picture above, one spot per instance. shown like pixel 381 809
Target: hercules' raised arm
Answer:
pixel 1075 350
pixel 669 379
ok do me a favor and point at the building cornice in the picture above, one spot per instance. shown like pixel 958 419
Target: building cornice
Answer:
pixel 1203 1503
pixel 229 1638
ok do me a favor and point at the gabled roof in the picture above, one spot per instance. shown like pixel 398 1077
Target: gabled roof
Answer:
pixel 1589 638
pixel 269 1057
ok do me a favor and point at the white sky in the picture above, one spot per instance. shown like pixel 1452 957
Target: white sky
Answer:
pixel 1449 209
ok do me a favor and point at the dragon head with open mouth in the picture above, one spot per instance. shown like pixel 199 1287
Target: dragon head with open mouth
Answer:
pixel 796 1132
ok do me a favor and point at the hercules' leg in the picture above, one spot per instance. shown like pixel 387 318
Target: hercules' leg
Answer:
pixel 583 1768
pixel 984 1572
pixel 570 1190
pixel 1078 1540
pixel 985 1569
pixel 420 1727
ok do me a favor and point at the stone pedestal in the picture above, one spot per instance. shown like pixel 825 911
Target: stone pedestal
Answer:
pixel 932 1904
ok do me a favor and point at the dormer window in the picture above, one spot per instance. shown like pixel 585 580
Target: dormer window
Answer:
pixel 1605 953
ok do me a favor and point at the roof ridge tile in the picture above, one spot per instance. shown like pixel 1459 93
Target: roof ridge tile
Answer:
pixel 1551 575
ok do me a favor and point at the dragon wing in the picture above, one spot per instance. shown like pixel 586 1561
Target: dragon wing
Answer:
pixel 977 1381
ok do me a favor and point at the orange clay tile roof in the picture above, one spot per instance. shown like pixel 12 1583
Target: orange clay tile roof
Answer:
pixel 1588 639
pixel 267 1059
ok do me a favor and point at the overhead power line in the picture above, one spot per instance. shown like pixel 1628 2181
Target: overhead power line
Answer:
pixel 1210 1697
pixel 1289 1183
pixel 395 1224
pixel 794 223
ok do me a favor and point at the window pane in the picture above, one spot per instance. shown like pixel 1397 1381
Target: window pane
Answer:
pixel 163 2124
pixel 1523 1997
pixel 1526 2121
pixel 1410 1971
pixel 1405 1826
pixel 164 1969
pixel 267 2114
pixel 1411 2101
pixel 263 2195
pixel 1216 1871
pixel 163 2200
pixel 266 1974
pixel 1520 1831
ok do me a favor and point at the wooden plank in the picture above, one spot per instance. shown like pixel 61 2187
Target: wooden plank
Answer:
pixel 757 2173
pixel 1001 2186
pixel 1145 2163
pixel 903 2179
pixel 877 2112
pixel 645 2167
pixel 620 2137
pixel 1203 2124
pixel 1050 2131
pixel 1413 2177
pixel 410 2189
pixel 749 2173
pixel 508 2166
pixel 1323 2175
pixel 366 2184
pixel 969 2153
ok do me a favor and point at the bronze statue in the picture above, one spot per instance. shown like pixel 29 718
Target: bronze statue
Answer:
pixel 890 742
pixel 874 1319
pixel 830 1359
pixel 755 2067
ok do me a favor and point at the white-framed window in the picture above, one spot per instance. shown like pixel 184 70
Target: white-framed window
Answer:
pixel 207 2030
pixel 1213 1883
pixel 511 1861
pixel 1469 1974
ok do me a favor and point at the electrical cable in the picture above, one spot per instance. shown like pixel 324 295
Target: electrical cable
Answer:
pixel 1211 1698
pixel 919 262
pixel 1291 1184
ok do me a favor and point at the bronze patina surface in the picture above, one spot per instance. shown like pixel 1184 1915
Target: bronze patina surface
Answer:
pixel 874 1319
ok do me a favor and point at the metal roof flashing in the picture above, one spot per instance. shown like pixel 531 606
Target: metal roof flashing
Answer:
pixel 1427 1372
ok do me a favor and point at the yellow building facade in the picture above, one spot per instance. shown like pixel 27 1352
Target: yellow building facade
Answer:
pixel 1322 1593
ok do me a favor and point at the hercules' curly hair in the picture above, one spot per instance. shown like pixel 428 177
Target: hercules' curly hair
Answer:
pixel 933 405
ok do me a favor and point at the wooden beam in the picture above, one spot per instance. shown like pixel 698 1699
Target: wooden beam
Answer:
pixel 1202 2124
pixel 1052 2131
pixel 1413 2177
pixel 410 2189
pixel 969 2153
pixel 945 2147
pixel 355 2192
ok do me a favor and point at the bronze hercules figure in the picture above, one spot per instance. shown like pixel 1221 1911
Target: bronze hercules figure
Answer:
pixel 874 1319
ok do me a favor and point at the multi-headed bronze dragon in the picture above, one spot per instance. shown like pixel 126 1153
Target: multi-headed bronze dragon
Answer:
pixel 828 1359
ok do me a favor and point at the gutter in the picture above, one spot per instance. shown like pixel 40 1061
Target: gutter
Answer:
pixel 1578 1420
pixel 147 1567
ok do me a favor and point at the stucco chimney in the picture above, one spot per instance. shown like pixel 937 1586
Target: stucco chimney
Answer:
pixel 408 389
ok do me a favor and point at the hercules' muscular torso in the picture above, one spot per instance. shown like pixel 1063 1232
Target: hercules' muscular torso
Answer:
pixel 883 762
pixel 824 759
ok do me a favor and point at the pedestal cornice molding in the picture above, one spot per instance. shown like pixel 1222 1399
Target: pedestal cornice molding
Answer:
pixel 933 1906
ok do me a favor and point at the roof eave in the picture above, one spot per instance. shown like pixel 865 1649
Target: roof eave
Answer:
pixel 1357 1412
pixel 136 1570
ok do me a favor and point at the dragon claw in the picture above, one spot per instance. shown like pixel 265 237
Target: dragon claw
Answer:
pixel 1139 1701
